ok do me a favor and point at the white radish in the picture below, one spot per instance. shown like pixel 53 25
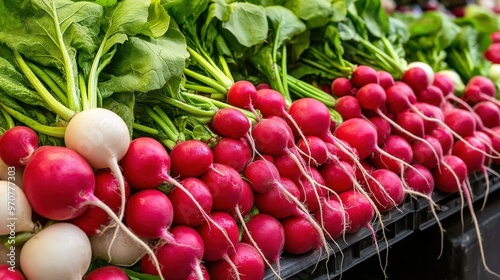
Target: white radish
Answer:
pixel 60 251
pixel 15 210
pixel 16 174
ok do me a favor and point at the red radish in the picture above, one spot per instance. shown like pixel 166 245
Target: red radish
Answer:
pixel 445 138
pixel 342 86
pixel 488 112
pixel 473 158
pixel 116 247
pixel 231 122
pixel 300 235
pixel 363 75
pixel 480 88
pixel 426 156
pixel 451 175
pixel 495 37
pixel 242 94
pixel 314 150
pixel 17 144
pixel 108 272
pixel 371 97
pixel 338 176
pixel 149 214
pixel 9 273
pixel 348 107
pixel 418 76
pixel 312 188
pixel 460 122
pixel 275 203
pixel 225 185
pixel 444 83
pixel 359 210
pixel 235 153
pixel 185 211
pixel 246 259
pixel 180 258
pixel 400 151
pixel 312 116
pixel 41 255
pixel 268 235
pixel 262 175
pixel 107 189
pixel 359 134
pixel 219 244
pixel 287 166
pixel 263 85
pixel 433 116
pixel 412 125
pixel 270 103
pixel 385 79
pixel 491 53
pixel 332 217
pixel 386 189
pixel 191 158
pixel 64 195
pixel 383 128
pixel 431 95
pixel 419 178
pixel 245 203
pixel 271 136
pixel 399 98
pixel 201 274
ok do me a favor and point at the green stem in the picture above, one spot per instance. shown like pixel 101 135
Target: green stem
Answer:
pixel 383 56
pixel 8 118
pixel 83 92
pixel 166 119
pixel 333 73
pixel 206 80
pixel 224 81
pixel 36 126
pixel 218 96
pixel 170 134
pixel 219 104
pixel 202 89
pixel 60 94
pixel 304 89
pixel 284 75
pixel 225 69
pixel 57 79
pixel 63 111
pixel 192 110
pixel 145 129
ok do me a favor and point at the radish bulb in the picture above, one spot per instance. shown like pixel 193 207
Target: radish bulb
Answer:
pixel 14 209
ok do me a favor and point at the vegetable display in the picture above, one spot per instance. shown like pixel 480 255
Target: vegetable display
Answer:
pixel 162 139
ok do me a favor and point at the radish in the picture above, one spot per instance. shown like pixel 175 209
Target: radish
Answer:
pixel 386 189
pixel 418 76
pixel 217 246
pixel 399 97
pixel 271 136
pixel 312 116
pixel 225 185
pixel 246 259
pixel 312 188
pixel 400 151
pixel 460 122
pixel 242 94
pixel 338 178
pixel 300 235
pixel 107 189
pixel 9 273
pixel 412 125
pixel 17 144
pixel 149 214
pixel 231 122
pixel 385 79
pixel 342 86
pixel 262 175
pixel 419 178
pixel 431 95
pixel 267 235
pixel 424 155
pixel 314 150
pixel 43 257
pixel 287 166
pixel 383 128
pixel 15 210
pixel 180 258
pixel 235 153
pixel 185 211
pixel 363 75
pixel 270 103
pixel 64 195
pixel 444 83
pixel 275 203
pixel 245 203
pixel 488 112
pixel 348 107
pixel 195 275
pixel 332 217
pixel 117 247
pixel 360 134
pixel 455 79
pixel 108 272
pixel 190 158
pixel 480 88
pixel 359 210
pixel 473 158
pixel 445 138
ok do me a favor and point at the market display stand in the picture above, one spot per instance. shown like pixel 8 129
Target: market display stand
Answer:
pixel 401 226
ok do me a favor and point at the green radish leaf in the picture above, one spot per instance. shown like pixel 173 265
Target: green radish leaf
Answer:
pixel 315 13
pixel 247 22
pixel 284 23
pixel 122 103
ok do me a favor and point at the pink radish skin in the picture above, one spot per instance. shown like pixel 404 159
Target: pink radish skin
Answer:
pixel 363 75
pixel 312 116
pixel 217 246
pixel 432 95
pixel 429 111
pixel 399 98
pixel 358 208
pixel 371 97
pixel 271 136
pixel 410 122
pixel 177 259
pixel 231 122
pixel 149 214
pixel 107 273
pixel 423 155
pixel 311 190
pixel 286 166
pixel 248 261
pixel 270 103
pixel 185 211
pixel 225 184
pixel 474 159
pixel 314 149
pixel 383 128
pixel 385 79
pixel 194 276
pixel 337 154
pixel 241 94
pixel 417 79
pixel 263 85
pixel 444 137
pixel 397 147
pixel 444 83
pixel 444 177
pixel 191 158
pixel 107 189
pixel 8 273
pixel 300 235
pixel 494 135
pixel 245 203
pixel 488 112
pixel 359 134
pixel 268 234
pixel 275 203
pixel 420 179
pixel 338 178
pixel 348 107
pixel 386 189
pixel 332 217
pixel 342 86
pixel 262 175
pixel 235 153
pixel 17 145
pixel 460 121
pixel 479 88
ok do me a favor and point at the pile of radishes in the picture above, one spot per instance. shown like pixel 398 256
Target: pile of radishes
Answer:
pixel 292 182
